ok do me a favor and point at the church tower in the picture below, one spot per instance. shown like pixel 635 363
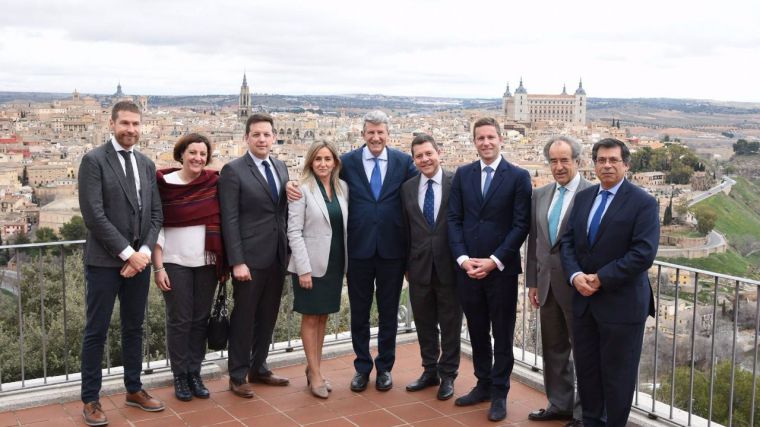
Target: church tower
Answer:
pixel 580 104
pixel 244 102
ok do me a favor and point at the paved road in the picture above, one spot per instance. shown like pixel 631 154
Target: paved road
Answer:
pixel 726 183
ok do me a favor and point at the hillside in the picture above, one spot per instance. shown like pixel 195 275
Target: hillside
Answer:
pixel 739 220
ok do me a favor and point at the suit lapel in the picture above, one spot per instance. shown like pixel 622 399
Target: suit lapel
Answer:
pixel 617 202
pixel 359 159
pixel 475 182
pixel 257 174
pixel 445 188
pixel 582 185
pixel 282 172
pixel 118 170
pixel 498 178
pixel 317 194
pixel 542 212
pixel 388 172
pixel 412 198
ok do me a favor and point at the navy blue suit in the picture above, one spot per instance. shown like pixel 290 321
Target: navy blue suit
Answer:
pixel 376 246
pixel 608 326
pixel 479 227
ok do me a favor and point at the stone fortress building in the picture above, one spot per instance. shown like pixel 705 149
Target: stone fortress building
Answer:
pixel 532 108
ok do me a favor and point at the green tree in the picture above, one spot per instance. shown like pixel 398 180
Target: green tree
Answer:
pixel 665 138
pixel 706 218
pixel 668 216
pixel 74 229
pixel 45 234
pixel 680 173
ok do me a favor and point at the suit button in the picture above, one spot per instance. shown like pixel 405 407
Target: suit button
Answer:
pixel 481 221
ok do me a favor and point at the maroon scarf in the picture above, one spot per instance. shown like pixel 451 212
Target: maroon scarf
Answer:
pixel 195 203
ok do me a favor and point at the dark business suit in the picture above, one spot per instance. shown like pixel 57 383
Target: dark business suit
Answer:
pixel 376 254
pixel 543 270
pixel 114 221
pixel 479 227
pixel 254 228
pixel 608 326
pixel 431 275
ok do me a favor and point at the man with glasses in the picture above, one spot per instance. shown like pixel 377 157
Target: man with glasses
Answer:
pixel 611 241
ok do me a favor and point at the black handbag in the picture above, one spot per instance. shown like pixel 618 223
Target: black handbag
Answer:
pixel 219 322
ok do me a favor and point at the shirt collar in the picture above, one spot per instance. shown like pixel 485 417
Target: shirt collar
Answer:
pixel 369 156
pixel 612 190
pixel 257 160
pixel 572 185
pixel 437 178
pixel 118 147
pixel 494 165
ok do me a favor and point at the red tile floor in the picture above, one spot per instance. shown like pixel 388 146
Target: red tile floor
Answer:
pixel 295 406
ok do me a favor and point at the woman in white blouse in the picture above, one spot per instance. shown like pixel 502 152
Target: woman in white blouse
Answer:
pixel 188 259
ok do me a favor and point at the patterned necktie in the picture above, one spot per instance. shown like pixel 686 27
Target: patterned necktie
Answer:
pixel 270 180
pixel 594 227
pixel 376 182
pixel 132 187
pixel 428 208
pixel 554 216
pixel 489 177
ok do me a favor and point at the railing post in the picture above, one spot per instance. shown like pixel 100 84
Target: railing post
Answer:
pixel 20 318
pixel 43 335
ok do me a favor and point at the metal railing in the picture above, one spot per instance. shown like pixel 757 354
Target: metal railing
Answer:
pixel 698 364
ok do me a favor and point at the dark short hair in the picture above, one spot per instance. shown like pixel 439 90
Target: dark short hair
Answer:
pixel 486 121
pixel 612 143
pixel 184 141
pixel 421 139
pixel 124 106
pixel 256 118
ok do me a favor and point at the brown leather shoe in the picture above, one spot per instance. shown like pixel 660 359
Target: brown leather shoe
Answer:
pixel 93 414
pixel 270 379
pixel 144 401
pixel 243 389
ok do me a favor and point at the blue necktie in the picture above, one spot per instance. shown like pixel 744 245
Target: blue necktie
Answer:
pixel 270 180
pixel 554 216
pixel 428 208
pixel 375 181
pixel 489 177
pixel 594 227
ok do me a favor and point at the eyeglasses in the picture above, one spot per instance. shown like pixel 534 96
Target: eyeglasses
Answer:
pixel 613 161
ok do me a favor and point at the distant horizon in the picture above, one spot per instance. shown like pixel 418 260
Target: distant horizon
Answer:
pixel 254 94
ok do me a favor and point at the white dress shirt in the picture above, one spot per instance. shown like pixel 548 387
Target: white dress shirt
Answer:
pixel 260 164
pixel 437 192
pixel 570 188
pixel 369 163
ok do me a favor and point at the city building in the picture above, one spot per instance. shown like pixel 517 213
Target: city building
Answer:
pixel 244 101
pixel 532 108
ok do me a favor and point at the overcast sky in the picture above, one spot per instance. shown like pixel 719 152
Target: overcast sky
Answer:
pixel 643 48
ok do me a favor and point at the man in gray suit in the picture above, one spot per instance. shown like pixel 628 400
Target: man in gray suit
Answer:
pixel 121 209
pixel 430 269
pixel 548 288
pixel 254 213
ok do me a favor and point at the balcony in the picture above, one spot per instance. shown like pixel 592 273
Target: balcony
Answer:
pixel 699 360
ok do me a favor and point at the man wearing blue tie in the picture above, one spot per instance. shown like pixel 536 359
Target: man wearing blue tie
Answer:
pixel 611 241
pixel 376 245
pixel 489 218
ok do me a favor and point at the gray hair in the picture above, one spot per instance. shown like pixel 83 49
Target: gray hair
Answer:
pixel 575 146
pixel 375 117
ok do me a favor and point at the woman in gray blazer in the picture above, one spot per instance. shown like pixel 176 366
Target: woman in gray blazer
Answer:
pixel 316 234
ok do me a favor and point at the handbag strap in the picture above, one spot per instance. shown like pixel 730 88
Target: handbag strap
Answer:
pixel 220 305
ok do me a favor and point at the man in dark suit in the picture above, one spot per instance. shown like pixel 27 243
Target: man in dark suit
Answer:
pixel 254 224
pixel 611 241
pixel 430 269
pixel 489 217
pixel 121 209
pixel 550 208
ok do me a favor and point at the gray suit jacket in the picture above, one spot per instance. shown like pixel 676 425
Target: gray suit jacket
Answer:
pixel 310 230
pixel 109 212
pixel 253 227
pixel 426 246
pixel 543 265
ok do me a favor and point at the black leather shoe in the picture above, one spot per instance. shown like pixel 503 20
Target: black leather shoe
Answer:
pixel 359 382
pixel 384 382
pixel 574 423
pixel 549 415
pixel 446 390
pixel 498 410
pixel 196 385
pixel 424 381
pixel 475 396
pixel 181 388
